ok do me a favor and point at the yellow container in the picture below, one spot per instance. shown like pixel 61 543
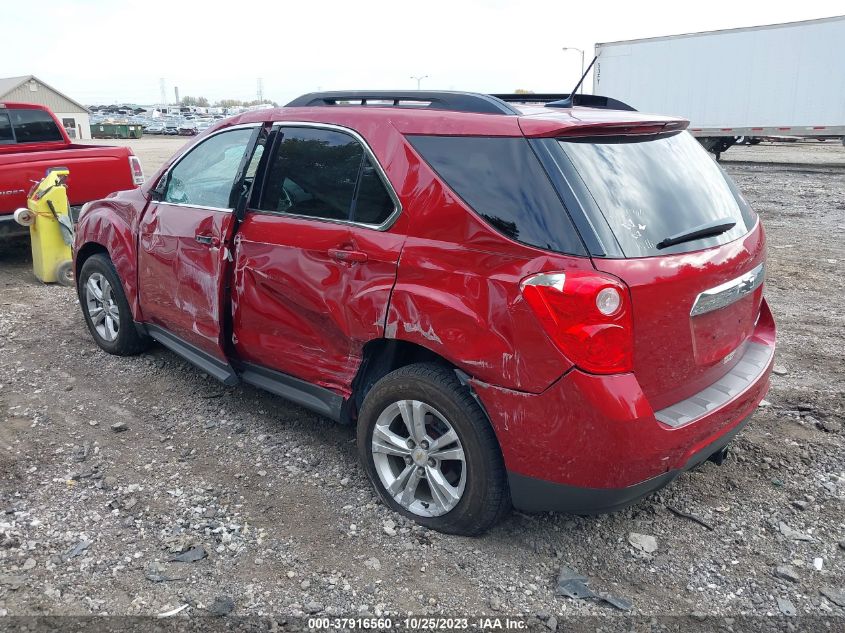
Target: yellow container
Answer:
pixel 48 208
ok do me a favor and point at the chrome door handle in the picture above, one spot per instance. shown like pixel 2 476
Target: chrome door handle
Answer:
pixel 208 240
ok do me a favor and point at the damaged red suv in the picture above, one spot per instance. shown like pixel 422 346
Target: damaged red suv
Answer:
pixel 554 306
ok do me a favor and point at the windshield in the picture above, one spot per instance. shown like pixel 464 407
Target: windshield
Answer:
pixel 651 188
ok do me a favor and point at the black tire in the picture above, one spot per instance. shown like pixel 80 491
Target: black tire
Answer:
pixel 128 341
pixel 486 498
pixel 64 274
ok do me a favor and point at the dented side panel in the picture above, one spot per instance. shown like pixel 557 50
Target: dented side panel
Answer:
pixel 458 293
pixel 300 310
pixel 181 279
pixel 112 223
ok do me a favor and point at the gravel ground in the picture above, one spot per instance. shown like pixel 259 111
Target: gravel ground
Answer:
pixel 270 501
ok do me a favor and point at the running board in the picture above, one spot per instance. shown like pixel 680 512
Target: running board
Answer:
pixel 214 367
pixel 317 399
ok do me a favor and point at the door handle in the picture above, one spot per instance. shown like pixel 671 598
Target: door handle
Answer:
pixel 344 255
pixel 208 240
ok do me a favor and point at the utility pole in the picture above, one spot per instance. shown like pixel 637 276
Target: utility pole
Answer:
pixel 176 92
pixel 163 92
pixel 419 79
pixel 260 90
pixel 573 48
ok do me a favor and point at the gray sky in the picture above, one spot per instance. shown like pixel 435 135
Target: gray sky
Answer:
pixel 101 51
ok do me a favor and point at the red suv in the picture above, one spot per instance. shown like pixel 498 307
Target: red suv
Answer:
pixel 554 306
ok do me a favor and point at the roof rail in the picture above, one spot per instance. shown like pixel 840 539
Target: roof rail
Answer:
pixel 551 100
pixel 424 99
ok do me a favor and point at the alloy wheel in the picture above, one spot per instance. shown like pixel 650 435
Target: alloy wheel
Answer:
pixel 419 458
pixel 102 307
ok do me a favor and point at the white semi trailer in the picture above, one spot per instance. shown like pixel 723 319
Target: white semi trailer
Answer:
pixel 746 83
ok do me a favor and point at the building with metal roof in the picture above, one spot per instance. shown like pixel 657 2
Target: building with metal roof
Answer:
pixel 74 116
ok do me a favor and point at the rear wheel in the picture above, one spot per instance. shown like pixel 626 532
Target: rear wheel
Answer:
pixel 106 309
pixel 430 451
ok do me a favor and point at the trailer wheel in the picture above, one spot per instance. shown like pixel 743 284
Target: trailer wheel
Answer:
pixel 64 273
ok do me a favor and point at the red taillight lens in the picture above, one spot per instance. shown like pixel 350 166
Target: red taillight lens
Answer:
pixel 137 170
pixel 588 317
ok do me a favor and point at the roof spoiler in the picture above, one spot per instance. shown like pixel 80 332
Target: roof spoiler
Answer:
pixel 552 100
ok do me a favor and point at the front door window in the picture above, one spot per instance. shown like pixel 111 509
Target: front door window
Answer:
pixel 206 175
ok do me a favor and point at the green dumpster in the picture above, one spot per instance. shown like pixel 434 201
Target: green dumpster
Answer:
pixel 116 130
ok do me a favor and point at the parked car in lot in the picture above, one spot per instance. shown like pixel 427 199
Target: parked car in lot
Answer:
pixel 154 128
pixel 171 128
pixel 32 140
pixel 556 307
pixel 188 128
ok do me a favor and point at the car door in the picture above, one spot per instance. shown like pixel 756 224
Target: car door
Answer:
pixel 314 259
pixel 184 246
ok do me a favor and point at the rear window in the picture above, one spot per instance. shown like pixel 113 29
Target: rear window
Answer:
pixel 5 129
pixel 651 188
pixel 34 126
pixel 502 180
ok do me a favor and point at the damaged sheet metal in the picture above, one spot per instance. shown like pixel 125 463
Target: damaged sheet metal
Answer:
pixel 574 585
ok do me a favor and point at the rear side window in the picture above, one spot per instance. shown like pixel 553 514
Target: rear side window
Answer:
pixel 324 174
pixel 651 188
pixel 502 180
pixel 5 129
pixel 373 205
pixel 313 173
pixel 34 126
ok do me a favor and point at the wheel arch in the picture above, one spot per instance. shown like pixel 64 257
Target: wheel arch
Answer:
pixel 84 252
pixel 384 355
pixel 106 228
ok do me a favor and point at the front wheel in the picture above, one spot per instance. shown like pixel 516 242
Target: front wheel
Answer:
pixel 106 309
pixel 430 451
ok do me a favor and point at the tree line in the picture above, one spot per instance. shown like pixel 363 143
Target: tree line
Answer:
pixel 202 102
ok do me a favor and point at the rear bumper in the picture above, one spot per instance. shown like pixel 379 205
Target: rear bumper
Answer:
pixel 538 495
pixel 593 443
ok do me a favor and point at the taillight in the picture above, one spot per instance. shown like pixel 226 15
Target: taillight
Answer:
pixel 137 170
pixel 588 317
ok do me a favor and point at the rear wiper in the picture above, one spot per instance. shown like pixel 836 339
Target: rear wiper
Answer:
pixel 716 227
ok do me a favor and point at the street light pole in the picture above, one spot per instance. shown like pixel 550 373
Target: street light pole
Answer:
pixel 574 48
pixel 419 79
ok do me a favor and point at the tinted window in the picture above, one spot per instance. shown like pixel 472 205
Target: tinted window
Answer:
pixel 206 175
pixel 5 129
pixel 649 189
pixel 373 205
pixel 34 126
pixel 502 180
pixel 313 173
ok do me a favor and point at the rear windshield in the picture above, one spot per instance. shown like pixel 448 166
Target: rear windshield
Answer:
pixel 34 126
pixel 652 188
pixel 503 182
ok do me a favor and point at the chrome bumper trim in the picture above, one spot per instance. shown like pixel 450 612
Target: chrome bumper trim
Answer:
pixel 750 367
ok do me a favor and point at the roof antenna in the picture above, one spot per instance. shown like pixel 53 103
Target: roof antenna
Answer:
pixel 569 101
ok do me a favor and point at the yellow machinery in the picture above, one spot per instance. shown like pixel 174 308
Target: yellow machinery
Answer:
pixel 50 228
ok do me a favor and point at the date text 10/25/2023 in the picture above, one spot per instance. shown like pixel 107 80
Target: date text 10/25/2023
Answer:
pixel 412 623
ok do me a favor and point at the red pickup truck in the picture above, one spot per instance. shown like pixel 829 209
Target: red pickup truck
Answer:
pixel 32 140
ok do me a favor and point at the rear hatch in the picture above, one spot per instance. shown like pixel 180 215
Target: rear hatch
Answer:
pixel 672 225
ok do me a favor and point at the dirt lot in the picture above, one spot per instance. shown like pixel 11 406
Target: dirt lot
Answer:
pixel 91 518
